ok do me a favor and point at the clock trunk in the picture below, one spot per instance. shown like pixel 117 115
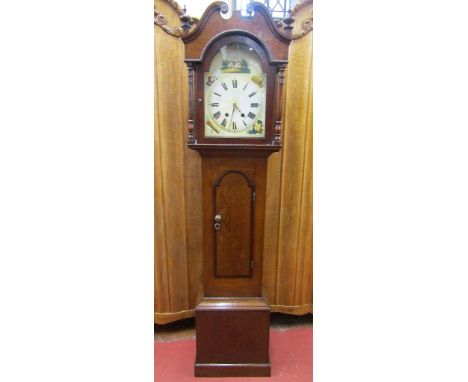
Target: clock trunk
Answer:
pixel 233 193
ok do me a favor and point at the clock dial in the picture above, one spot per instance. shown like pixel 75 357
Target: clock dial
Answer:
pixel 235 94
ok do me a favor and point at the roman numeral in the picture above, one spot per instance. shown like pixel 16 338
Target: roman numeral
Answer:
pixel 219 95
pixel 234 127
pixel 217 114
pixel 251 115
pixel 224 122
pixel 215 105
pixel 234 83
pixel 252 94
pixel 254 105
pixel 245 86
pixel 244 123
pixel 224 86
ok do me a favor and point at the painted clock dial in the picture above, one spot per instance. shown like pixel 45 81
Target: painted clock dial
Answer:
pixel 235 94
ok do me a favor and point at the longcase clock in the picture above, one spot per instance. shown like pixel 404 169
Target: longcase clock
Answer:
pixel 236 72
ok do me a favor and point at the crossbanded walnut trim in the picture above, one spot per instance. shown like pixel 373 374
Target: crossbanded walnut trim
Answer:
pixel 307 26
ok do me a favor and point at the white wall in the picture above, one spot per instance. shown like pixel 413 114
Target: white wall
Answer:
pixel 196 8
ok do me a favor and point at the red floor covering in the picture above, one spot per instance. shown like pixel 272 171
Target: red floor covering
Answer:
pixel 290 354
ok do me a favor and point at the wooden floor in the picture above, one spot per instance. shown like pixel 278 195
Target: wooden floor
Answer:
pixel 185 329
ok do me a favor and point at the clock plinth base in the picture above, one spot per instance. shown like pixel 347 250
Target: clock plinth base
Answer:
pixel 233 370
pixel 232 337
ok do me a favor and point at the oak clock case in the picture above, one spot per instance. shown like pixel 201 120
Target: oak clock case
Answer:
pixel 236 73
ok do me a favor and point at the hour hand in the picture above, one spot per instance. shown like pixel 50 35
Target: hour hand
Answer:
pixel 237 107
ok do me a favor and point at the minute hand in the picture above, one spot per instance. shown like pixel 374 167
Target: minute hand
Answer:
pixel 232 115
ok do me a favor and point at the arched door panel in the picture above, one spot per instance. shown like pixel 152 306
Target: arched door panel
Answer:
pixel 233 225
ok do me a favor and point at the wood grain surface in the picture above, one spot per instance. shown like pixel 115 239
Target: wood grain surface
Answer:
pixel 254 174
pixel 232 337
pixel 178 274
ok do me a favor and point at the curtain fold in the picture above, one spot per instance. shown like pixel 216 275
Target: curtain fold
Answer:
pixel 287 280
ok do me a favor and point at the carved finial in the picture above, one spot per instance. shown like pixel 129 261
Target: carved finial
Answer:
pixel 289 21
pixel 224 8
pixel 186 20
pixel 250 9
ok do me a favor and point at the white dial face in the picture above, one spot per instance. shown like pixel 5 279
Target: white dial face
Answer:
pixel 235 94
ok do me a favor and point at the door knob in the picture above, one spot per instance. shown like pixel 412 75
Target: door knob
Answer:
pixel 217 224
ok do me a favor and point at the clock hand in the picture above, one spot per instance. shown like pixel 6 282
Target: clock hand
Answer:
pixel 237 107
pixel 232 115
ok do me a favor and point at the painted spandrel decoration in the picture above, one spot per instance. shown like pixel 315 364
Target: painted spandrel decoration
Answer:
pixel 235 94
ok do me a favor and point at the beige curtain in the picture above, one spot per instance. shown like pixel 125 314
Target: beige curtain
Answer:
pixel 178 238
